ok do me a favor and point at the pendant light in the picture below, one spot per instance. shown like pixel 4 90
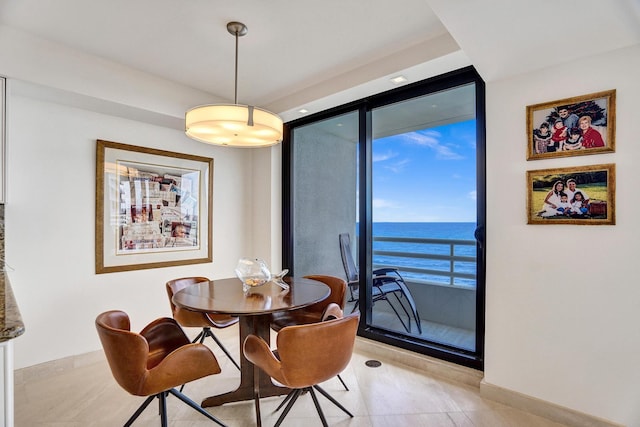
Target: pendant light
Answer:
pixel 234 125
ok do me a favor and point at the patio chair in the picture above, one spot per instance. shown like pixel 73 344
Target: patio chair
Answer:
pixel 386 281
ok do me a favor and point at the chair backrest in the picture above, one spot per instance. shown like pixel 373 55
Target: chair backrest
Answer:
pixel 348 263
pixel 337 296
pixel 148 362
pixel 126 351
pixel 185 318
pixel 313 353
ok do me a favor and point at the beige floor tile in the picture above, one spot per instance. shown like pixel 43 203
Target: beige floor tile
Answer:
pixel 70 394
pixel 508 417
pixel 414 420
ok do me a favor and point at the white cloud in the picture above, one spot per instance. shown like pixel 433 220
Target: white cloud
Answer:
pixel 431 139
pixel 398 166
pixel 473 195
pixel 380 157
pixel 382 203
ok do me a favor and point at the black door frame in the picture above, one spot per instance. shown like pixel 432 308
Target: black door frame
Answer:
pixel 474 359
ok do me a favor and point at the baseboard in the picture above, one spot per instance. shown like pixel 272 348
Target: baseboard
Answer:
pixel 430 365
pixel 56 367
pixel 551 411
pixel 475 378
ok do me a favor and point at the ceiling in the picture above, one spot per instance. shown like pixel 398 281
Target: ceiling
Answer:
pixel 504 38
pixel 291 46
pixel 320 54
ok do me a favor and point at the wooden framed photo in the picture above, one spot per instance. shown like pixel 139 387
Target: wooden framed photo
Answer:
pixel 582 195
pixel 153 208
pixel 572 127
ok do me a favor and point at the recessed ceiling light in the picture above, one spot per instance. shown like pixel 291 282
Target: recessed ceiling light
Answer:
pixel 303 111
pixel 398 79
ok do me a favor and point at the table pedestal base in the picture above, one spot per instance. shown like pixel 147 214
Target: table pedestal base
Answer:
pixel 251 383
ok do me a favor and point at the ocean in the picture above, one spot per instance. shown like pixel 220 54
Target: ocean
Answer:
pixel 427 230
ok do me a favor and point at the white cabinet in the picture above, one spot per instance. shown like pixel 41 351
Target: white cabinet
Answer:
pixel 6 391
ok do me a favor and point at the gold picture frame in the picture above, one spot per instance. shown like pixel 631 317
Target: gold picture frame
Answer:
pixel 153 208
pixel 575 126
pixel 582 195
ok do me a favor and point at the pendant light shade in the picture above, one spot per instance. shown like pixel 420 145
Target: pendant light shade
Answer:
pixel 234 125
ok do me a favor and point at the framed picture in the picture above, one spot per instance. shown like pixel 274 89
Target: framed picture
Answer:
pixel 582 195
pixel 153 208
pixel 572 127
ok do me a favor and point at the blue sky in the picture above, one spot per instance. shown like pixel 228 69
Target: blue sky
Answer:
pixel 426 175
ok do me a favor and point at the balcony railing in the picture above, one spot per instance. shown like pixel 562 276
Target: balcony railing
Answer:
pixel 429 261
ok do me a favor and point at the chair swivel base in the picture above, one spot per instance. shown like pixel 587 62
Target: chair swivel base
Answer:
pixel 162 397
pixel 293 396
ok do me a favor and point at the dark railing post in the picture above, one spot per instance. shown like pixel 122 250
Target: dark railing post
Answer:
pixel 451 263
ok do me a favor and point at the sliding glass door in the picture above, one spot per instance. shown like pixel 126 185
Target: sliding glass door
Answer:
pixel 323 187
pixel 400 177
pixel 424 214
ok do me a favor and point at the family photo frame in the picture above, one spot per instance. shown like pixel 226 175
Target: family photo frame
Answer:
pixel 153 208
pixel 582 195
pixel 576 126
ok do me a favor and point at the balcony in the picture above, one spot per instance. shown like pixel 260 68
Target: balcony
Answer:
pixel 441 275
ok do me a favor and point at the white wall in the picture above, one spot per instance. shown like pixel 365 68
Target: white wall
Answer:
pixel 50 225
pixel 563 301
pixel 55 113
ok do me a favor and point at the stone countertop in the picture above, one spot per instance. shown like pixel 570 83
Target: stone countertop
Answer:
pixel 11 325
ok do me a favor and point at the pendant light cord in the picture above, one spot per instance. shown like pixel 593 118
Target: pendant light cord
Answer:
pixel 235 98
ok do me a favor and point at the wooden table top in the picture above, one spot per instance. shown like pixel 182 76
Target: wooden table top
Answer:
pixel 227 297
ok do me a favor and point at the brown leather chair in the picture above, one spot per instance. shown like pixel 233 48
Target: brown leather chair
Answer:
pixel 206 321
pixel 151 363
pixel 312 313
pixel 306 356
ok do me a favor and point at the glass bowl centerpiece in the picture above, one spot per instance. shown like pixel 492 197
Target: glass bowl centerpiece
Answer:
pixel 252 273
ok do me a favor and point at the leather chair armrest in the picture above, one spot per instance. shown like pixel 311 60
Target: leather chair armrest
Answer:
pixel 185 364
pixel 258 352
pixel 189 318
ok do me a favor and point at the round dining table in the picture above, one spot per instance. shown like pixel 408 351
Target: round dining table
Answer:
pixel 254 308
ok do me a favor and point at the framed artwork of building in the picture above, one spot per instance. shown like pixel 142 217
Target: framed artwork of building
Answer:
pixel 153 208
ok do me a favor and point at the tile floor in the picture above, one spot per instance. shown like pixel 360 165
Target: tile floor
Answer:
pixel 391 395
